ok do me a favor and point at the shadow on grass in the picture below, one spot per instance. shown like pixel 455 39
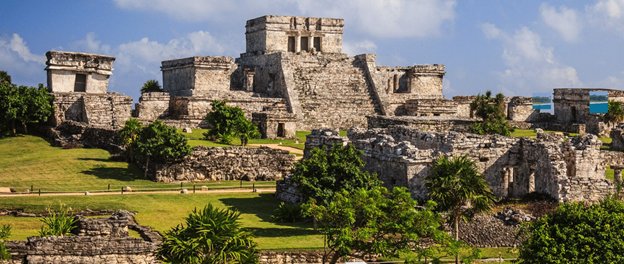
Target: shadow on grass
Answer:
pixel 281 232
pixel 100 160
pixel 121 174
pixel 262 206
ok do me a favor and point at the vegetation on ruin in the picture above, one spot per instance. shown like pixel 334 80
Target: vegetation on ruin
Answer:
pixel 23 105
pixel 491 111
pixel 161 143
pixel 129 136
pixel 210 235
pixel 58 223
pixel 459 189
pixel 227 122
pixel 615 113
pixel 5 233
pixel 576 233
pixel 151 86
pixel 375 221
pixel 332 170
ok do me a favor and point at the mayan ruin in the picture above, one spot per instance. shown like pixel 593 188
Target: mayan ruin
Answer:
pixel 306 147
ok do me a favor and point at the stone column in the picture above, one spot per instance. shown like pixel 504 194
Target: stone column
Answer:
pixel 297 43
pixel 504 183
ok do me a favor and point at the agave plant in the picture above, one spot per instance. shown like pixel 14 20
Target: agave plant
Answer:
pixel 59 223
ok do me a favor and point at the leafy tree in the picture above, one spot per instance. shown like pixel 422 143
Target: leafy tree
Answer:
pixel 227 122
pixel 5 78
pixel 576 233
pixel 459 189
pixel 58 223
pixel 615 113
pixel 330 171
pixel 491 111
pixel 151 86
pixel 161 143
pixel 129 136
pixel 5 233
pixel 376 221
pixel 210 235
pixel 24 105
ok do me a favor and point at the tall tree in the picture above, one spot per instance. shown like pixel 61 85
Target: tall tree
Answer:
pixel 492 112
pixel 210 235
pixel 129 136
pixel 378 222
pixel 151 86
pixel 576 233
pixel 330 171
pixel 161 143
pixel 615 113
pixel 24 105
pixel 459 189
pixel 5 78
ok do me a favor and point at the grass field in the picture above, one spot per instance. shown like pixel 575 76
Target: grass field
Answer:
pixel 196 139
pixel 163 211
pixel 531 133
pixel 30 161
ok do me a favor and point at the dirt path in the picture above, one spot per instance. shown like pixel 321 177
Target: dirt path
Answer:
pixel 278 146
pixel 190 191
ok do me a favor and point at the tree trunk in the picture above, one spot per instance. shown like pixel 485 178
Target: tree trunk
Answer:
pixel 25 127
pixel 457 238
pixel 13 128
pixel 334 258
pixel 146 167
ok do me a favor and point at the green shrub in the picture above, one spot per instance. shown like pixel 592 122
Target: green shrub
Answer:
pixel 288 213
pixel 59 223
pixel 5 232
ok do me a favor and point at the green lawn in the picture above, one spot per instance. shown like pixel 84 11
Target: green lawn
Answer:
pixel 531 133
pixel 30 161
pixel 163 211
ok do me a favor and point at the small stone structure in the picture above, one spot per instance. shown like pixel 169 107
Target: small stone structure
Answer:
pixel 97 240
pixel 572 107
pixel 617 138
pixel 569 169
pixel 230 163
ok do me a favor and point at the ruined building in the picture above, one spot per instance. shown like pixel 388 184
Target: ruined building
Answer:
pixel 293 75
pixel 79 83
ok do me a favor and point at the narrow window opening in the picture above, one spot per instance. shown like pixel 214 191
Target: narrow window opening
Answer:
pixel 304 43
pixel 317 43
pixel 291 44
pixel 280 130
pixel 81 83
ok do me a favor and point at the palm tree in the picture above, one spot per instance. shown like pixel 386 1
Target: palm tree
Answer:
pixel 615 113
pixel 245 130
pixel 151 86
pixel 459 189
pixel 211 235
pixel 129 136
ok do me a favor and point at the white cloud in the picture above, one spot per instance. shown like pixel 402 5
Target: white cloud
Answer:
pixel 391 18
pixel 355 48
pixel 91 44
pixel 531 66
pixel 16 59
pixel 607 15
pixel 566 21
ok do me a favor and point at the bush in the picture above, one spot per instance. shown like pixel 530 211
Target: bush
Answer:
pixel 227 122
pixel 5 232
pixel 491 111
pixel 288 213
pixel 59 223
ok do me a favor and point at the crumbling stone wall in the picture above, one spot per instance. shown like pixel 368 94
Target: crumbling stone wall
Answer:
pixel 319 138
pixel 521 109
pixel 231 163
pixel 427 123
pixel 152 106
pixel 72 134
pixel 617 137
pixel 109 111
pixel 567 169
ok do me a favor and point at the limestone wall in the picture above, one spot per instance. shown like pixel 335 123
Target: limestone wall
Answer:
pixel 431 123
pixel 521 109
pixel 109 111
pixel 63 67
pixel 198 75
pixel 463 105
pixel 152 106
pixel 617 137
pixel 231 163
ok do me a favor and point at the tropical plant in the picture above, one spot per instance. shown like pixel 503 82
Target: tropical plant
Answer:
pixel 151 86
pixel 24 105
pixel 210 235
pixel 492 112
pixel 576 233
pixel 5 233
pixel 5 78
pixel 161 143
pixel 615 113
pixel 129 136
pixel 227 122
pixel 290 213
pixel 378 222
pixel 459 189
pixel 59 223
pixel 330 171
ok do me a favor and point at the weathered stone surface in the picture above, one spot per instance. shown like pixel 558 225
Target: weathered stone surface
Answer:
pixel 423 123
pixel 70 134
pixel 63 67
pixel 231 163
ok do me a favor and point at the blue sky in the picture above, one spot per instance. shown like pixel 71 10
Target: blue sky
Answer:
pixel 514 47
